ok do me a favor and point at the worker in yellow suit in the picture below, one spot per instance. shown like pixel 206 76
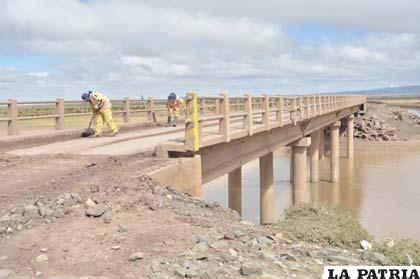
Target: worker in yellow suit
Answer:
pixel 101 107
pixel 173 104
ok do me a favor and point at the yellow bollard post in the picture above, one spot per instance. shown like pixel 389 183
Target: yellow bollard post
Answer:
pixel 192 135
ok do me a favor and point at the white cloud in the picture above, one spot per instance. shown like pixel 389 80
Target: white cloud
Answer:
pixel 124 47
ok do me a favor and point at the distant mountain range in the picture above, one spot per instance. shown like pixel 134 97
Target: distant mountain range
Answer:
pixel 412 90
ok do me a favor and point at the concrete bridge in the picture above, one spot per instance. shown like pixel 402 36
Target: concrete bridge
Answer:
pixel 239 130
pixel 220 135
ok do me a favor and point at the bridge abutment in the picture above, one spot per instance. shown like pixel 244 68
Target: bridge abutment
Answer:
pixel 266 189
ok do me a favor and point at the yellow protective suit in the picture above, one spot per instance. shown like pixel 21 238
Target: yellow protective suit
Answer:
pixel 174 107
pixel 103 108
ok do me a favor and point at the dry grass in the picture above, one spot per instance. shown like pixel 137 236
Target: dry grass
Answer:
pixel 326 224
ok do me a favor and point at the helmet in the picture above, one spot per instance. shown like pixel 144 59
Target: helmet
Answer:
pixel 172 97
pixel 85 96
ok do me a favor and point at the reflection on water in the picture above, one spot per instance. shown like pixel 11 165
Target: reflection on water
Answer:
pixel 414 110
pixel 382 190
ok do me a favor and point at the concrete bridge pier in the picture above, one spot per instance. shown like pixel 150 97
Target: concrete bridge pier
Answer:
pixel 350 139
pixel 299 169
pixel 321 144
pixel 266 189
pixel 335 153
pixel 235 190
pixel 315 156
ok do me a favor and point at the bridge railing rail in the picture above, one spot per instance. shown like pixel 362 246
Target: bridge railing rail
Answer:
pixel 13 111
pixel 217 119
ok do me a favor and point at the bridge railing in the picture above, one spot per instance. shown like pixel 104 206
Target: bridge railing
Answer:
pixel 14 112
pixel 212 120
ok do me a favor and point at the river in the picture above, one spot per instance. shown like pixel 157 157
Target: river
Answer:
pixel 381 188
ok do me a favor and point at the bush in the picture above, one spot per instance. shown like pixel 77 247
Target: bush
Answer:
pixel 326 224
pixel 400 251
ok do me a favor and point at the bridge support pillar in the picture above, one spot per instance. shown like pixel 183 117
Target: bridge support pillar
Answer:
pixel 315 156
pixel 266 189
pixel 235 190
pixel 335 153
pixel 350 140
pixel 321 143
pixel 299 169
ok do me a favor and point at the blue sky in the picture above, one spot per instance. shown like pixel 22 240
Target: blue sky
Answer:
pixel 122 47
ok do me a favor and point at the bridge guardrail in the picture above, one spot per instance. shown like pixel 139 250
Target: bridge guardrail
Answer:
pixel 257 113
pixel 14 111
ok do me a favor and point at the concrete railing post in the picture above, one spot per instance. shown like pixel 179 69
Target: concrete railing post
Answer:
pixel 150 109
pixel 192 134
pixel 279 115
pixel 248 118
pixel 127 110
pixel 12 124
pixel 266 108
pixel 225 121
pixel 235 190
pixel 335 152
pixel 217 106
pixel 299 169
pixel 300 99
pixel 266 189
pixel 59 111
pixel 315 156
pixel 202 106
pixel 350 140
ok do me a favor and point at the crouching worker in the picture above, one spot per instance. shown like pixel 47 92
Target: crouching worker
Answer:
pixel 101 108
pixel 173 104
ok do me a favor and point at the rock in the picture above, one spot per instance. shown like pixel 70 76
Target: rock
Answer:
pixel 5 273
pixel 116 247
pixel 59 213
pixel 3 230
pixel 42 258
pixel 122 228
pixel 288 256
pixel 9 230
pixel 238 233
pixel 107 217
pixel 44 211
pixel 340 259
pixel 44 250
pixel 229 236
pixel 30 212
pixel 90 203
pixel 38 273
pixel 181 271
pixel 247 223
pixel 329 252
pixel 183 212
pixel 248 269
pixel 136 256
pixel 96 211
pixel 365 245
pixel 375 257
pixel 200 239
pixel 5 221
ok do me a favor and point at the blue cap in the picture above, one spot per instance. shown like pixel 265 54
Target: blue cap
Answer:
pixel 85 96
pixel 172 96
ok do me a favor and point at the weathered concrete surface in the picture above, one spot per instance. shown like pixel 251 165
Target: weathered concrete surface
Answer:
pixel 266 189
pixel 235 190
pixel 335 152
pixel 315 156
pixel 299 169
pixel 183 175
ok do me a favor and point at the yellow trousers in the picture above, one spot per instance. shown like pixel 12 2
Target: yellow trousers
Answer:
pixel 103 117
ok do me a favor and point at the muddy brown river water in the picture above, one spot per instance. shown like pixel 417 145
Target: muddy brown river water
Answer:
pixel 381 188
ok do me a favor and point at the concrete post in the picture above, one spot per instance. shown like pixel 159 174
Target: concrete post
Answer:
pixel 224 123
pixel 127 110
pixel 299 169
pixel 150 109
pixel 235 190
pixel 12 124
pixel 350 140
pixel 266 189
pixel 59 111
pixel 315 156
pixel 291 164
pixel 321 144
pixel 335 153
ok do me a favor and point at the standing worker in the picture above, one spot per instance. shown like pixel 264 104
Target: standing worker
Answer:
pixel 173 104
pixel 101 108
